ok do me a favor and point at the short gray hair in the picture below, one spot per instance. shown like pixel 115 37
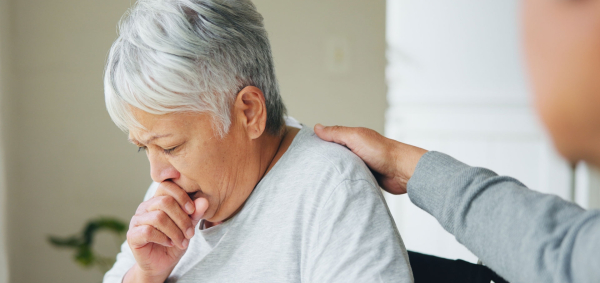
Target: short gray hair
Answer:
pixel 190 55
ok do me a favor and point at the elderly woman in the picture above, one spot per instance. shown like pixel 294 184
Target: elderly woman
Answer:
pixel 238 195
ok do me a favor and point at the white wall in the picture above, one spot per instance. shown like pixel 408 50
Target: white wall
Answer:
pixel 587 186
pixel 69 163
pixel 457 85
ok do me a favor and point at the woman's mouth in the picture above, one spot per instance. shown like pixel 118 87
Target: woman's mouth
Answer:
pixel 194 195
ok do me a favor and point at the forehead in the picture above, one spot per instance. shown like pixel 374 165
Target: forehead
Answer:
pixel 172 124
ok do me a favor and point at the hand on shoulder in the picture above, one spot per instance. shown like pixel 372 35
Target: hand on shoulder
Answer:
pixel 392 162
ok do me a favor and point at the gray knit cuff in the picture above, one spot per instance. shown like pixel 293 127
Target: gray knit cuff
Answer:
pixel 428 187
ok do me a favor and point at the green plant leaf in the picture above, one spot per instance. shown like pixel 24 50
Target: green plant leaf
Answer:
pixel 82 242
pixel 72 241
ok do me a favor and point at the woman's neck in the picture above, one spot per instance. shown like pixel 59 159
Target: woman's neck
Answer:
pixel 284 144
pixel 272 150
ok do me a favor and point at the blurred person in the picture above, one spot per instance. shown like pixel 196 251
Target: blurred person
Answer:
pixel 238 196
pixel 523 235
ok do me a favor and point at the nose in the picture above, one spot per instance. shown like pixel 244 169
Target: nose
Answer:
pixel 160 168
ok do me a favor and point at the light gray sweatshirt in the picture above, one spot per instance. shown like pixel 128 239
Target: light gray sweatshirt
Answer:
pixel 523 235
pixel 317 216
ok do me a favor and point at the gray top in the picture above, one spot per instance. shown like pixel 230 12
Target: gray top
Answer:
pixel 523 235
pixel 317 216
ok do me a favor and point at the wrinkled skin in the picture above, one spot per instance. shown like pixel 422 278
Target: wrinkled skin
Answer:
pixel 201 174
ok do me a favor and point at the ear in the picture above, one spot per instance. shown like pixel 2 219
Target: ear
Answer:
pixel 251 110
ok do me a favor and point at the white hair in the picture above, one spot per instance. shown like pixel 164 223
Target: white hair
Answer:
pixel 190 55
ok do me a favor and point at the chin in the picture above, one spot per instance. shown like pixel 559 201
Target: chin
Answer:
pixel 570 143
pixel 565 150
pixel 211 218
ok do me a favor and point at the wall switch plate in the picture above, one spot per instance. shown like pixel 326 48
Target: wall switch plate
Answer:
pixel 337 60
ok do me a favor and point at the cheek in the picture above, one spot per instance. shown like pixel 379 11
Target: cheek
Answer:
pixel 201 171
pixel 562 55
pixel 206 164
pixel 538 36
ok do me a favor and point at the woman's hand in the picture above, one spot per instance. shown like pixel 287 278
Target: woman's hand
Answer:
pixel 392 162
pixel 160 230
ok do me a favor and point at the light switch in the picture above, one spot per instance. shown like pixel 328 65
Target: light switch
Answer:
pixel 337 59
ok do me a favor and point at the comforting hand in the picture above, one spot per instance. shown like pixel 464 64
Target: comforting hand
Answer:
pixel 392 162
pixel 160 230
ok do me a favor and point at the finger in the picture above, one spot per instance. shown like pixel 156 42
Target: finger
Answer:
pixel 201 207
pixel 163 223
pixel 168 188
pixel 346 136
pixel 337 134
pixel 170 206
pixel 140 236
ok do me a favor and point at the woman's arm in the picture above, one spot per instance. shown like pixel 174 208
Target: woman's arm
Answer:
pixel 523 235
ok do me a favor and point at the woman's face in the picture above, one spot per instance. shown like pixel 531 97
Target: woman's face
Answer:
pixel 562 39
pixel 183 148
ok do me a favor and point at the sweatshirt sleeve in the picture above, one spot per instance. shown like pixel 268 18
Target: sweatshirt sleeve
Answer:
pixel 523 235
pixel 125 259
pixel 356 239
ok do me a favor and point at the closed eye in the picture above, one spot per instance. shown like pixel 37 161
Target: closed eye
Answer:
pixel 169 151
pixel 140 148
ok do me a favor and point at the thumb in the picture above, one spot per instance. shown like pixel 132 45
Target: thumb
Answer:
pixel 201 205
pixel 337 134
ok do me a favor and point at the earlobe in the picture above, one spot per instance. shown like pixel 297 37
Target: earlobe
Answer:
pixel 251 108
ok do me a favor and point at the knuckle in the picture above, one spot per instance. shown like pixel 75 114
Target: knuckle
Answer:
pixel 176 236
pixel 167 201
pixel 134 222
pixel 185 224
pixel 160 217
pixel 146 231
pixel 361 130
pixel 181 194
pixel 166 186
pixel 337 128
pixel 141 208
pixel 356 135
pixel 130 234
pixel 164 189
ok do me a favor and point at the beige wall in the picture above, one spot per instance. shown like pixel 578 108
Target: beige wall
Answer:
pixel 4 67
pixel 67 162
pixel 300 32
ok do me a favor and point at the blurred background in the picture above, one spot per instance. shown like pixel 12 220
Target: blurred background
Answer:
pixel 443 75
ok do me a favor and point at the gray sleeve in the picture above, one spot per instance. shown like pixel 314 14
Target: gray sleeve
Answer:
pixel 125 259
pixel 356 239
pixel 523 235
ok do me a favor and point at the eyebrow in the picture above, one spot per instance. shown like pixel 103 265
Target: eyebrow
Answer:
pixel 134 141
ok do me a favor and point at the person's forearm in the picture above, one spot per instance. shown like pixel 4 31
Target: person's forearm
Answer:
pixel 136 275
pixel 523 235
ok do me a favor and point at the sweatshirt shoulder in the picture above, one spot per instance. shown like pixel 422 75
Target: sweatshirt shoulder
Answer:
pixel 330 157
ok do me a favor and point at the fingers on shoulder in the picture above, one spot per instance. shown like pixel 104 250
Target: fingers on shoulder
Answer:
pixel 337 134
pixel 352 137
